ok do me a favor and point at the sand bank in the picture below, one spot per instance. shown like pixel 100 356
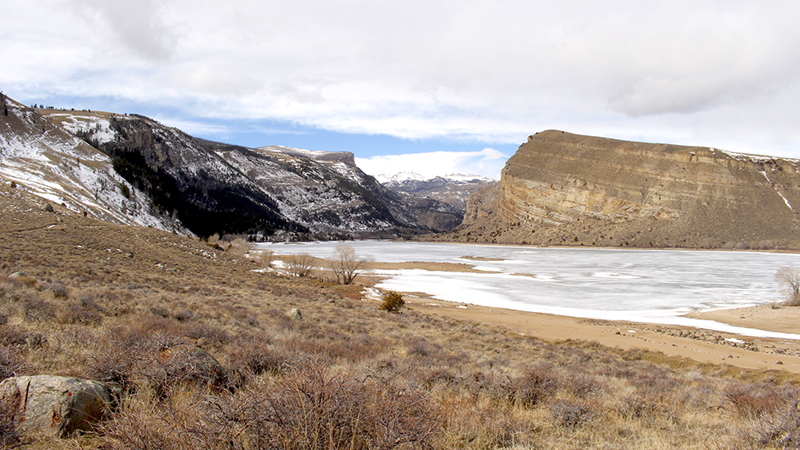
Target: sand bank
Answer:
pixel 700 345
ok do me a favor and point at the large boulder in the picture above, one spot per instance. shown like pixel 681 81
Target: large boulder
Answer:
pixel 188 364
pixel 54 406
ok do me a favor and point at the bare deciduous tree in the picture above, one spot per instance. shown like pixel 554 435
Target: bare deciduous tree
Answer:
pixel 300 264
pixel 790 279
pixel 347 265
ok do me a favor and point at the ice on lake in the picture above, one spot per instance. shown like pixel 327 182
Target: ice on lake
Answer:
pixel 655 286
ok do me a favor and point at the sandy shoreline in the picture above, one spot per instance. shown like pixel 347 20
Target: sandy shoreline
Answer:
pixel 701 345
pixel 704 346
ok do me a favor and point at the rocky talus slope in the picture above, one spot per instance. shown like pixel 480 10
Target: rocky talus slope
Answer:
pixel 566 189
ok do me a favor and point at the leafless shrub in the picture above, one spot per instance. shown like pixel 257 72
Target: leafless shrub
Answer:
pixel 36 309
pixel 83 310
pixel 789 278
pixel 21 338
pixel 8 433
pixel 159 311
pixel 780 429
pixel 755 400
pixel 10 362
pixel 572 414
pixel 208 333
pixel 265 258
pixel 238 247
pixel 533 386
pixel 300 264
pixel 183 315
pixel 643 405
pixel 317 408
pixel 57 288
pixel 580 385
pixel 255 355
pixel 78 314
pixel 421 347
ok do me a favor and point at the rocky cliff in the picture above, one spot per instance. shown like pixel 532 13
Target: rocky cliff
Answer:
pixel 276 192
pixel 566 189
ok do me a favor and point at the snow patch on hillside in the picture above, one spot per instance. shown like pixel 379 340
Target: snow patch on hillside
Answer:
pixel 61 168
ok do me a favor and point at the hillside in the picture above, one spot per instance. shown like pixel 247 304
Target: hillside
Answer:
pixel 49 161
pixel 566 189
pixel 133 170
pixel 275 192
pixel 123 305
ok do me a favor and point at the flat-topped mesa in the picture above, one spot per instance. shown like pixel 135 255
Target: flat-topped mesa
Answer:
pixel 566 189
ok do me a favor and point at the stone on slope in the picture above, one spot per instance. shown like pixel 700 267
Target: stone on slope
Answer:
pixel 54 406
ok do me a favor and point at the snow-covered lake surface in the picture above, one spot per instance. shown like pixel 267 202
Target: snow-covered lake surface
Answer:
pixel 655 286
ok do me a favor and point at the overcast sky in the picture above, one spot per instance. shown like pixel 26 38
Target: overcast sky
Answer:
pixel 382 78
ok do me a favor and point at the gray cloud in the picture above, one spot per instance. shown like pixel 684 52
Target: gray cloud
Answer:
pixel 678 71
pixel 136 26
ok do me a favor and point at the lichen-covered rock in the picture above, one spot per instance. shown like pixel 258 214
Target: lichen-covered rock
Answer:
pixel 54 406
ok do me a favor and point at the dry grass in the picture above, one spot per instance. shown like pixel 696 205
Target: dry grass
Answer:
pixel 130 306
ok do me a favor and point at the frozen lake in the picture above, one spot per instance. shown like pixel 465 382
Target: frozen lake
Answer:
pixel 656 286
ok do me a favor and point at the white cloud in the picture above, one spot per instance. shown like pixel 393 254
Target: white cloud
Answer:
pixel 487 162
pixel 455 69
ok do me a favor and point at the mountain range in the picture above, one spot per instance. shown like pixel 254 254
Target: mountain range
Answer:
pixel 453 189
pixel 133 170
pixel 558 189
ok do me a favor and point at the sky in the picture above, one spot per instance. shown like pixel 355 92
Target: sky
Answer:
pixel 433 87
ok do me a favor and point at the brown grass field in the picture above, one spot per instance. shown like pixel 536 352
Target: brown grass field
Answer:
pixel 108 302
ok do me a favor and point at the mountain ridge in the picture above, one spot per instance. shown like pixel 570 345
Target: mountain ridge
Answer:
pixel 192 185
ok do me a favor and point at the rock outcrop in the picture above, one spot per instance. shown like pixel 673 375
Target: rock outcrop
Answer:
pixel 53 406
pixel 566 189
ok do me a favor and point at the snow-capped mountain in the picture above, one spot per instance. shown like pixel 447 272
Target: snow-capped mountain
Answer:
pixel 453 189
pixel 131 169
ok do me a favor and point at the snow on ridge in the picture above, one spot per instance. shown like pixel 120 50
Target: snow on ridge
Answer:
pixel 413 176
pixel 466 177
pixel 399 177
pixel 293 150
pixel 756 158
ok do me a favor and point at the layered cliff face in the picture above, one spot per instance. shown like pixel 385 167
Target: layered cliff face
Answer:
pixel 566 189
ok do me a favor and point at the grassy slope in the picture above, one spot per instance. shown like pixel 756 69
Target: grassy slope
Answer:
pixel 104 302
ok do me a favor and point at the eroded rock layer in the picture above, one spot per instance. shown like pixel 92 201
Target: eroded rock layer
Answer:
pixel 566 189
